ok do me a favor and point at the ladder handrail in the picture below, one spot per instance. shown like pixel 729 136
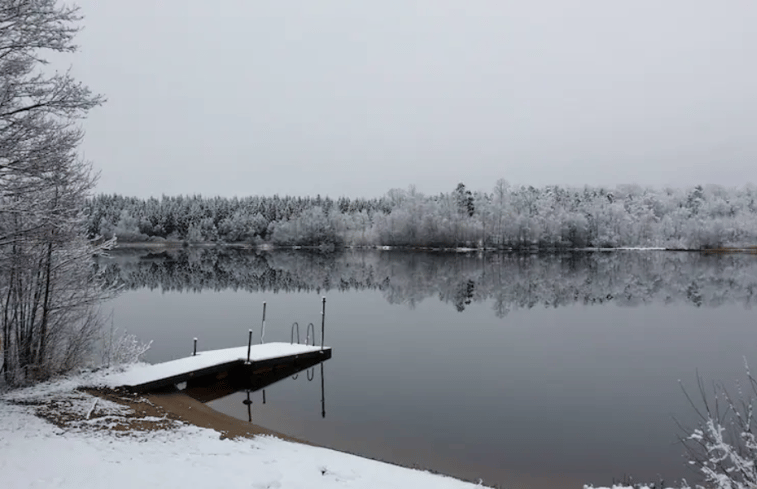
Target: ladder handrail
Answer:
pixel 311 327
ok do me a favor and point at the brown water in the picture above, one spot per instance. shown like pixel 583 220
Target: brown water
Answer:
pixel 524 371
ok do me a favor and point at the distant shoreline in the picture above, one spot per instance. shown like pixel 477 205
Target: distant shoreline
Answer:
pixel 161 245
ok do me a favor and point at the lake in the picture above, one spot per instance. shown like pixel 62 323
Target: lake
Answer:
pixel 527 371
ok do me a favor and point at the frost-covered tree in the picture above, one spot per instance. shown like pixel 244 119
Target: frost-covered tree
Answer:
pixel 723 446
pixel 48 298
pixel 514 217
pixel 311 228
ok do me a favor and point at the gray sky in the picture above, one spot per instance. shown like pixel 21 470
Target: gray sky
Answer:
pixel 241 97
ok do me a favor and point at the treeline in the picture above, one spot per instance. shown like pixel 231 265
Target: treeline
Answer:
pixel 508 217
pixel 507 280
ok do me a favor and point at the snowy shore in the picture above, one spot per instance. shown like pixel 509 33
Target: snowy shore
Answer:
pixel 89 447
pixel 56 435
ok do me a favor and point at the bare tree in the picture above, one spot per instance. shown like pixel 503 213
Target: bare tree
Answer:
pixel 48 295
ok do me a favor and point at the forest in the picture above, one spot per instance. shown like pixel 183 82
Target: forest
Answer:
pixel 508 217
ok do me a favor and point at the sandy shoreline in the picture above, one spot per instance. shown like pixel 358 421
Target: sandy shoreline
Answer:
pixel 63 434
pixel 192 411
pixel 179 406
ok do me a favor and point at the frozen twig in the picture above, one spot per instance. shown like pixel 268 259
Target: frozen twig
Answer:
pixel 92 409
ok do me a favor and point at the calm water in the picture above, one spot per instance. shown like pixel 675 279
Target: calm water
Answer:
pixel 524 371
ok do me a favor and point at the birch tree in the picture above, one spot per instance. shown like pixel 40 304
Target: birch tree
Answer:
pixel 48 297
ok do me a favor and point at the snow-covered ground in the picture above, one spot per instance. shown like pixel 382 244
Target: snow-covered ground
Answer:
pixel 35 453
pixel 620 487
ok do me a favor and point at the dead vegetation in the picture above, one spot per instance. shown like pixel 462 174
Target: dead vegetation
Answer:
pixel 96 409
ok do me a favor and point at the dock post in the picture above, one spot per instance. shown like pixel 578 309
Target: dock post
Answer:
pixel 194 351
pixel 262 327
pixel 323 320
pixel 249 346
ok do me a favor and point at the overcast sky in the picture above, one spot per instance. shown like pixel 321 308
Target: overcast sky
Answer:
pixel 242 97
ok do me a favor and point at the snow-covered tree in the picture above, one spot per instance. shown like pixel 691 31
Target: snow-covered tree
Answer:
pixel 702 217
pixel 49 317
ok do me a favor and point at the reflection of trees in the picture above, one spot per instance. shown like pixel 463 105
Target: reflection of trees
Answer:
pixel 509 281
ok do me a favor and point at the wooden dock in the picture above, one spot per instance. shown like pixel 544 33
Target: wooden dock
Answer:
pixel 219 363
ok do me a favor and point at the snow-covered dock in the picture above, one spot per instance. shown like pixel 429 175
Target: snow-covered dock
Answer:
pixel 206 363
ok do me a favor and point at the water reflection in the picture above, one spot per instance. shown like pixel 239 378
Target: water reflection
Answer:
pixel 248 402
pixel 511 281
pixel 323 394
pixel 211 388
